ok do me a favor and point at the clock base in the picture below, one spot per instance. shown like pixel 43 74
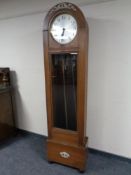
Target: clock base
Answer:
pixel 67 154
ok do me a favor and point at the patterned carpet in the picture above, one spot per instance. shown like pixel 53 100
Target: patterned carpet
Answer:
pixel 26 155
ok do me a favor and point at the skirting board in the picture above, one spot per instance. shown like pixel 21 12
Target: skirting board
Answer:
pixel 91 150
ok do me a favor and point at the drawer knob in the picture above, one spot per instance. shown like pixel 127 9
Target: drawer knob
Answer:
pixel 64 155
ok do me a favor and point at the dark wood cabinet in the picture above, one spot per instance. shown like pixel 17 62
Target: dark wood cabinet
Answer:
pixel 6 105
pixel 65 60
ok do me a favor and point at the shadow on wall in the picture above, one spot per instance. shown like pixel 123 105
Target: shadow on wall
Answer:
pixel 18 106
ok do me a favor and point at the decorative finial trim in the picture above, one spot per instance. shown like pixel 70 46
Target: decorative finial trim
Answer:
pixel 64 5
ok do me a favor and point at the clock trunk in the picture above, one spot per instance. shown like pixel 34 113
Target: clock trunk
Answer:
pixel 66 90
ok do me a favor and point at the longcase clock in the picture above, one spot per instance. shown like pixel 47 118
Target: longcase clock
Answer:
pixel 65 60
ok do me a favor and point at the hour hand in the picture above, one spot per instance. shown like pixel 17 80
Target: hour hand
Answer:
pixel 63 32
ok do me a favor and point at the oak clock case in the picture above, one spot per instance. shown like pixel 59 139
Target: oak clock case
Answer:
pixel 65 61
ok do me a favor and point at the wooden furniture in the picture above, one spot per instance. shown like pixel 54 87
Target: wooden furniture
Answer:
pixel 65 60
pixel 6 106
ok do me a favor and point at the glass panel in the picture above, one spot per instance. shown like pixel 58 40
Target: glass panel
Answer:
pixel 64 83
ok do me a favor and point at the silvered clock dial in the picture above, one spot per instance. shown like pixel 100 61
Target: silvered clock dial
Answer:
pixel 64 28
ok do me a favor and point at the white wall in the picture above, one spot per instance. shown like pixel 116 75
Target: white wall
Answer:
pixel 109 82
pixel 21 48
pixel 109 90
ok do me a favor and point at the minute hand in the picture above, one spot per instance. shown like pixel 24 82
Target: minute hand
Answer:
pixel 63 32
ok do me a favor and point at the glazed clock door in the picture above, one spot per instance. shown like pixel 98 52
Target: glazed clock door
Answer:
pixel 64 87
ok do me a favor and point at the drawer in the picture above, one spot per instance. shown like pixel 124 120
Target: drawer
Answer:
pixel 74 156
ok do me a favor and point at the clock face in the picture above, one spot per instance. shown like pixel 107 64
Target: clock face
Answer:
pixel 64 28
